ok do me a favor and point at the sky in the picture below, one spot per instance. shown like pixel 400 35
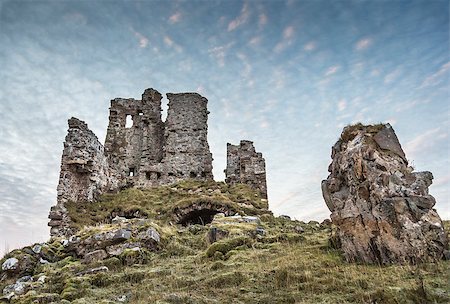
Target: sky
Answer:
pixel 288 75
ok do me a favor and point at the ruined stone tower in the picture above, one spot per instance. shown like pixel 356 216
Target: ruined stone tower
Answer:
pixel 246 166
pixel 151 152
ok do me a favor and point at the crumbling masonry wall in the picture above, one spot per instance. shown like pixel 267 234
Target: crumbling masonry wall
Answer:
pixel 246 166
pixel 130 150
pixel 152 152
pixel 84 174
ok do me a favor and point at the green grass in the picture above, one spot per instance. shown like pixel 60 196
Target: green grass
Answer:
pixel 282 266
pixel 160 203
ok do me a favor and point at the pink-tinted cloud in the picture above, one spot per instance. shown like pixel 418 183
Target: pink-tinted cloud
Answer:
pixel 332 70
pixel 310 46
pixel 342 105
pixel 262 20
pixel 143 41
pixel 241 19
pixel 175 18
pixel 287 39
pixel 436 77
pixel 363 44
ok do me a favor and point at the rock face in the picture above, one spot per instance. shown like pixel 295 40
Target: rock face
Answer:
pixel 246 166
pixel 381 208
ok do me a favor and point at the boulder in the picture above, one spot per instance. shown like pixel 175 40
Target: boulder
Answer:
pixel 381 208
pixel 95 256
pixel 10 264
pixel 149 238
pixel 121 235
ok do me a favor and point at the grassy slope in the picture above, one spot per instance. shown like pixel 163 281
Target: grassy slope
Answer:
pixel 282 266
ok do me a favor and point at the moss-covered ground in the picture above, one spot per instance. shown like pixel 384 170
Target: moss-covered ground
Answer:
pixel 285 262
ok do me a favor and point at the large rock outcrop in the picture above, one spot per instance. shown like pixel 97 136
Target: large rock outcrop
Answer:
pixel 381 208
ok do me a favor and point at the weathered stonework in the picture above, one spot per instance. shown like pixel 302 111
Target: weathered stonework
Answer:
pixel 186 150
pixel 130 149
pixel 381 208
pixel 152 152
pixel 246 166
pixel 146 153
pixel 84 175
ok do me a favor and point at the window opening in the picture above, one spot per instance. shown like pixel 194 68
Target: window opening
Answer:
pixel 129 121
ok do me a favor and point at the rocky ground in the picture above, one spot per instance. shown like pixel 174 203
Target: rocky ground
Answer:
pixel 139 254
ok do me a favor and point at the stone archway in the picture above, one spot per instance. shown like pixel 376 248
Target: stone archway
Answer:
pixel 200 213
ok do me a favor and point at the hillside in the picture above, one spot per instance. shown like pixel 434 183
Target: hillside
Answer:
pixel 143 256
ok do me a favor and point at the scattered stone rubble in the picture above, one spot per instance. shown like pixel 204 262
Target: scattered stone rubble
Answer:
pixel 381 208
pixel 125 238
pixel 146 153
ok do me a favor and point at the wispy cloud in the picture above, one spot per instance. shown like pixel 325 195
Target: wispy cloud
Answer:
pixel 255 40
pixel 363 44
pixel 241 19
pixel 262 20
pixel 287 38
pixel 392 76
pixel 437 77
pixel 424 142
pixel 220 52
pixel 143 40
pixel 175 18
pixel 342 105
pixel 332 70
pixel 310 46
pixel 171 44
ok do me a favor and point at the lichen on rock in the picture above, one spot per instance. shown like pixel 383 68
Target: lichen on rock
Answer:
pixel 381 208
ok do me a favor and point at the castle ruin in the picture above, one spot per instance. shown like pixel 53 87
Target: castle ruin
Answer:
pixel 146 152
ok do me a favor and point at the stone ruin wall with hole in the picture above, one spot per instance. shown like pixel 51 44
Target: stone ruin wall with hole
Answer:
pixel 152 152
pixel 148 153
pixel 246 166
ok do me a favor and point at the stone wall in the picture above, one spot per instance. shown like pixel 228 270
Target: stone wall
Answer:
pixel 186 149
pixel 132 150
pixel 84 174
pixel 246 166
pixel 382 210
